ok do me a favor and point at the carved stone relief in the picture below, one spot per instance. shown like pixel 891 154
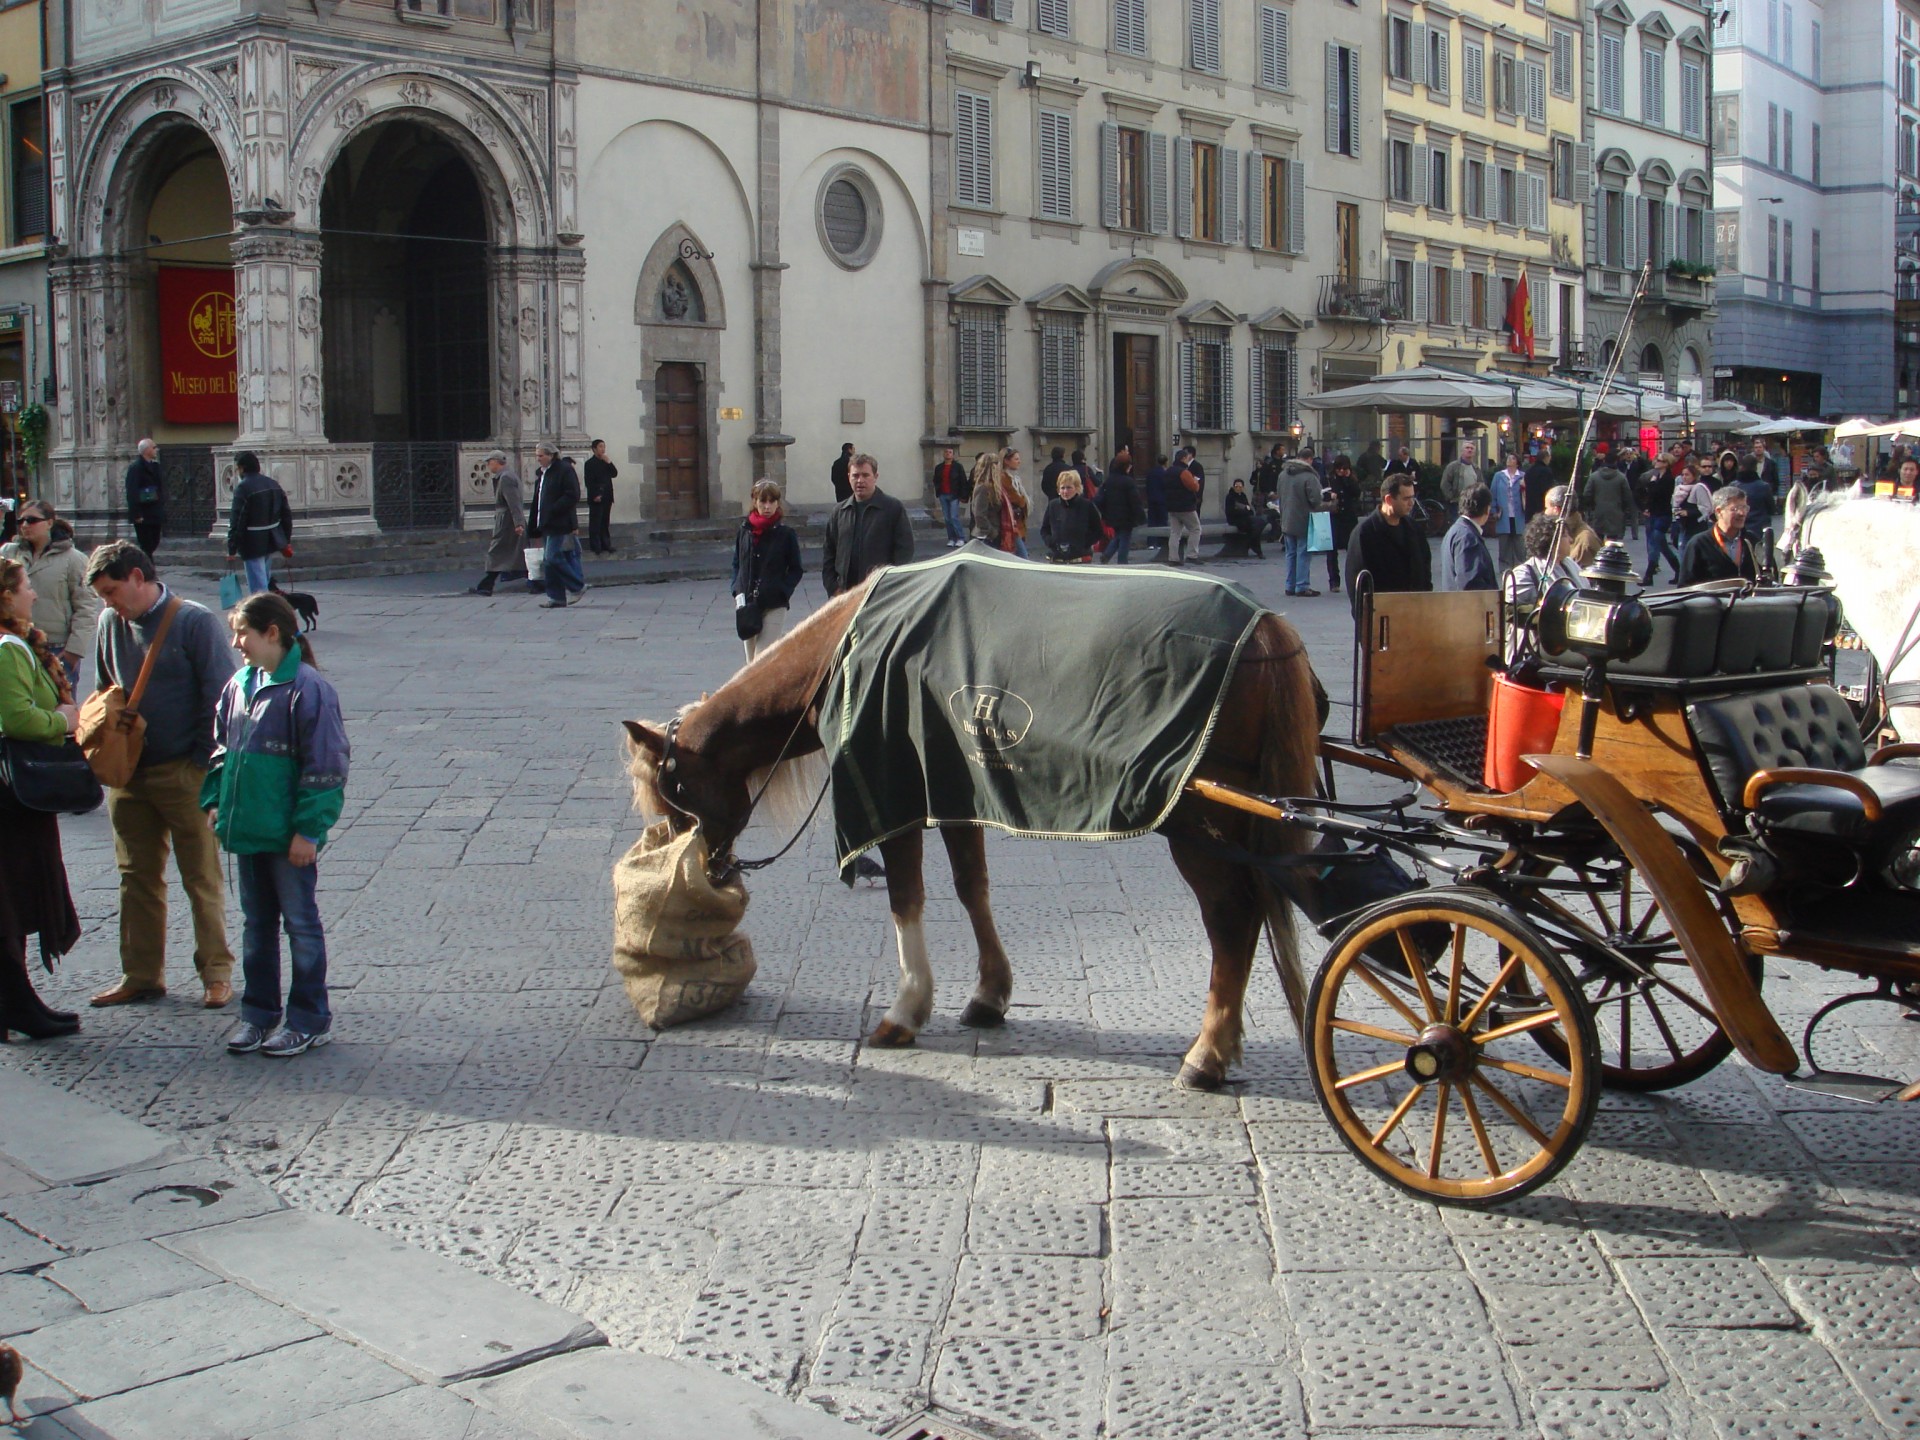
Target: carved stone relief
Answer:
pixel 347 480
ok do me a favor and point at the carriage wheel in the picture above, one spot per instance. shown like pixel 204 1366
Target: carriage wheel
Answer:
pixel 1657 1029
pixel 1427 1069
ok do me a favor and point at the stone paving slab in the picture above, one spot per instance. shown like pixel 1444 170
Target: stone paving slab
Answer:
pixel 416 1311
pixel 868 1232
pixel 63 1142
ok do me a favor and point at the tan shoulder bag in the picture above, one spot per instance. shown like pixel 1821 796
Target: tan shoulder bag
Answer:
pixel 111 730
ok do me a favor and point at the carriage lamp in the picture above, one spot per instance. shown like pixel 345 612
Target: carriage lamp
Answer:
pixel 1599 622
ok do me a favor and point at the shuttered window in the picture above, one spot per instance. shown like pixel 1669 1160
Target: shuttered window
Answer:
pixel 1473 189
pixel 1053 17
pixel 1343 100
pixel 972 149
pixel 1203 35
pixel 1473 74
pixel 1536 198
pixel 1439 61
pixel 1124 184
pixel 1439 174
pixel 1273 385
pixel 1276 208
pixel 1440 297
pixel 1653 84
pixel 1056 165
pixel 1563 64
pixel 1206 380
pixel 1535 76
pixel 1613 49
pixel 27 145
pixel 1062 372
pixel 980 368
pixel 1130 27
pixel 1692 99
pixel 1276 47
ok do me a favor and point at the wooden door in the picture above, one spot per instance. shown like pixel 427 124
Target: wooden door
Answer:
pixel 1136 391
pixel 679 444
pixel 1347 241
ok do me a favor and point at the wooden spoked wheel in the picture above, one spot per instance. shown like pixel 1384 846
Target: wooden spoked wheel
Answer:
pixel 1656 1027
pixel 1426 1067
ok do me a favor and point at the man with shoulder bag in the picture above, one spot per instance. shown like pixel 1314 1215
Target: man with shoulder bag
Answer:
pixel 148 730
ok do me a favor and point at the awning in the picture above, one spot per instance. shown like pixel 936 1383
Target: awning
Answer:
pixel 1423 389
pixel 1726 415
pixel 1850 429
pixel 1785 425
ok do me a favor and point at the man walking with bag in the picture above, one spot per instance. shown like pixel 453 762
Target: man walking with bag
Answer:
pixel 555 521
pixel 262 523
pixel 509 524
pixel 171 658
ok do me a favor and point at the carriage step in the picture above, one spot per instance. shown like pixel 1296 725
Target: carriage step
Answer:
pixel 1847 1085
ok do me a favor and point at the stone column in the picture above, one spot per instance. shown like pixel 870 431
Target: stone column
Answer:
pixel 569 280
pixel 91 317
pixel 276 287
pixel 768 440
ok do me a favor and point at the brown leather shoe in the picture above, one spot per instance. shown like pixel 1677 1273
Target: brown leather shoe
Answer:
pixel 219 992
pixel 127 993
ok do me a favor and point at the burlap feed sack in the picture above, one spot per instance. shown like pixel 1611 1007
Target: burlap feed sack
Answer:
pixel 674 932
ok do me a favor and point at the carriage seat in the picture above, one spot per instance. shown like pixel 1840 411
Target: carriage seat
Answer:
pixel 1807 728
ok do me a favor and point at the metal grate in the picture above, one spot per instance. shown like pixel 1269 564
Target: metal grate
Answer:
pixel 1457 746
pixel 929 1426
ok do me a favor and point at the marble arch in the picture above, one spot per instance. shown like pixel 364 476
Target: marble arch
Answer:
pixel 120 135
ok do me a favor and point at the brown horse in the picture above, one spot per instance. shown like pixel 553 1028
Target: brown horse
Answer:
pixel 724 747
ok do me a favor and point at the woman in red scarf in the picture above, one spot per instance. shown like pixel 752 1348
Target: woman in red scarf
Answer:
pixel 766 569
pixel 36 704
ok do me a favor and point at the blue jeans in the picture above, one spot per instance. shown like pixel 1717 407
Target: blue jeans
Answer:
pixel 950 508
pixel 259 572
pixel 1658 528
pixel 1118 548
pixel 1020 547
pixel 276 892
pixel 560 567
pixel 1299 564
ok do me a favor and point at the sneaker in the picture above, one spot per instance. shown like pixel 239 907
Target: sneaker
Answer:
pixel 247 1039
pixel 286 1042
pixel 553 604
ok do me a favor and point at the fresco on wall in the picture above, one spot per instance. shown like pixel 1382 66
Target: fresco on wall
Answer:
pixel 861 57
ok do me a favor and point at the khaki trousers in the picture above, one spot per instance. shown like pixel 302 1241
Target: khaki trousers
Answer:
pixel 161 808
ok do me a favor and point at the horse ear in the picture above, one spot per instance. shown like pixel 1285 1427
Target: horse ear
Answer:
pixel 646 736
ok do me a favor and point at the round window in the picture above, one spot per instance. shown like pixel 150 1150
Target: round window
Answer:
pixel 849 217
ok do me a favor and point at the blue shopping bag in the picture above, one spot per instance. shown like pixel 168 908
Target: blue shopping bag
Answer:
pixel 1319 532
pixel 232 590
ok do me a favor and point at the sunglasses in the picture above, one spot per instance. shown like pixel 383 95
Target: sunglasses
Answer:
pixel 33 519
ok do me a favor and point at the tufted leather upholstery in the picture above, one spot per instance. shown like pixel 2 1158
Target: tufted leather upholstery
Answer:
pixel 1803 726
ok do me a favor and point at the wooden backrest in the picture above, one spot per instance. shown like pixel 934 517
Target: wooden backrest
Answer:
pixel 1423 656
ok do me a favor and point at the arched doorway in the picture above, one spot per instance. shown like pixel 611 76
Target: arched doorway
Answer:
pixel 407 343
pixel 1652 374
pixel 1690 386
pixel 184 388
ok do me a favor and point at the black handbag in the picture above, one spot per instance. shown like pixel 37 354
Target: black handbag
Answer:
pixel 748 617
pixel 53 778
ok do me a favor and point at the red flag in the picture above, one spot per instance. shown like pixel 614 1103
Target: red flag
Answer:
pixel 1520 320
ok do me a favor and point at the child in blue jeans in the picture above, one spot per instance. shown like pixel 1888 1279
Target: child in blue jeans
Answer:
pixel 273 790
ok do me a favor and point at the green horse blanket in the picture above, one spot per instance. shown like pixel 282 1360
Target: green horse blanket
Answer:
pixel 1052 701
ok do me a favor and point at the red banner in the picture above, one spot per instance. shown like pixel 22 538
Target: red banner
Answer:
pixel 198 341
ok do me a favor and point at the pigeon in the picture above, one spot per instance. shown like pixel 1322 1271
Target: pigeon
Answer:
pixel 12 1371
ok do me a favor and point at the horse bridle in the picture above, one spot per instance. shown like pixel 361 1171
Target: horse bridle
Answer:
pixel 730 863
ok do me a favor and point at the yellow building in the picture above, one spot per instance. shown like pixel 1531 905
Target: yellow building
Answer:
pixel 1481 101
pixel 23 226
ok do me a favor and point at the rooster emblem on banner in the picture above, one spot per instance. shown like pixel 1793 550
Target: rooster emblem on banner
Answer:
pixel 1520 320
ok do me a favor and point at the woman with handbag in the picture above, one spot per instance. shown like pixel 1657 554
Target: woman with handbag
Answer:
pixel 766 569
pixel 36 706
pixel 67 609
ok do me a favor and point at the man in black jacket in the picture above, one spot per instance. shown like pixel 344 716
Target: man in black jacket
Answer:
pixel 867 531
pixel 261 522
pixel 1388 545
pixel 599 477
pixel 147 496
pixel 953 488
pixel 841 489
pixel 1121 506
pixel 553 518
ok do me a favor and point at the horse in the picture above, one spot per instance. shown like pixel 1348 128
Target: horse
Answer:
pixel 757 733
pixel 1872 546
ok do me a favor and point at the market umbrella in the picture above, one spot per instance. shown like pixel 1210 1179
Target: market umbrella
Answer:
pixel 1421 390
pixel 1848 429
pixel 1726 415
pixel 1785 425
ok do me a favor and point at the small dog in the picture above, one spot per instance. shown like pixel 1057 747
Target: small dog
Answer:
pixel 305 604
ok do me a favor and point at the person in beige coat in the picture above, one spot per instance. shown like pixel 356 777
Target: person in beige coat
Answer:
pixel 65 607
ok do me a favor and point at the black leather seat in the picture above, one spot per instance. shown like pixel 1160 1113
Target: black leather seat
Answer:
pixel 1802 727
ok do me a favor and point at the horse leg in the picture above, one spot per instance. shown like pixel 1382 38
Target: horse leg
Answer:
pixel 907 899
pixel 1232 910
pixel 967 853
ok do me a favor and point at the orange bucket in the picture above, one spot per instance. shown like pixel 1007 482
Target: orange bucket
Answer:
pixel 1520 721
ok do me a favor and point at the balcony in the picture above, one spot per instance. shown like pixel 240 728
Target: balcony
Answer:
pixel 1365 302
pixel 1680 290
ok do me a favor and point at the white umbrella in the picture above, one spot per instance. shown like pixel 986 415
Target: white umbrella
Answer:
pixel 1726 415
pixel 1422 389
pixel 1848 429
pixel 1785 425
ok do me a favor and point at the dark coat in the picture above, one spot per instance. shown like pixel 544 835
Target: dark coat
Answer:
pixel 262 520
pixel 555 508
pixel 1181 500
pixel 1539 482
pixel 1345 508
pixel 146 491
pixel 1050 478
pixel 950 478
pixel 1120 503
pixel 1759 500
pixel 769 572
pixel 1704 560
pixel 1071 528
pixel 1465 561
pixel 842 487
pixel 1395 555
pixel 1158 478
pixel 864 538
pixel 599 477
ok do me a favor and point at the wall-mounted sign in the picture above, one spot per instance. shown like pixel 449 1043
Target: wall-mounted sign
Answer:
pixel 10 397
pixel 732 412
pixel 199 384
pixel 12 322
pixel 971 242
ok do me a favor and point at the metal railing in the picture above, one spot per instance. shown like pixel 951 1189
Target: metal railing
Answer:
pixel 416 484
pixel 192 498
pixel 1368 302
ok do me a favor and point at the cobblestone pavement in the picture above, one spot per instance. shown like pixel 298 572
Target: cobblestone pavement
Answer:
pixel 1031 1227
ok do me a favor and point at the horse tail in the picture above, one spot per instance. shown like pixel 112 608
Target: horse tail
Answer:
pixel 1296 708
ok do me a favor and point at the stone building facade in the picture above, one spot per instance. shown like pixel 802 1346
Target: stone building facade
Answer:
pixel 459 224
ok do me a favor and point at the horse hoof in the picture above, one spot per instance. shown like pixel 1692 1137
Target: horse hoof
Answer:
pixel 1192 1077
pixel 889 1036
pixel 981 1016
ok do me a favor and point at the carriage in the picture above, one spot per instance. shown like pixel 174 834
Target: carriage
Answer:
pixel 1610 883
